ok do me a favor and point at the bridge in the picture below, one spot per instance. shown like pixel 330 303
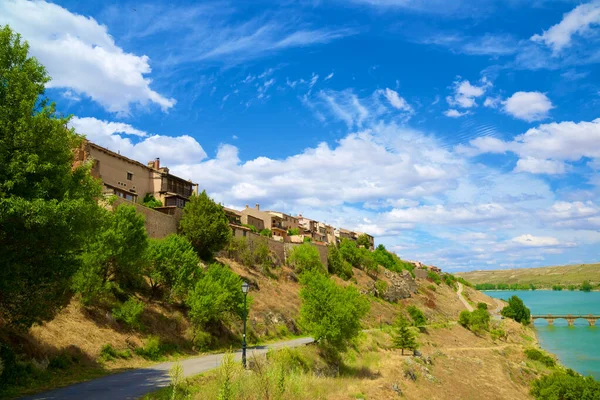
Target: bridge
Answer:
pixel 570 318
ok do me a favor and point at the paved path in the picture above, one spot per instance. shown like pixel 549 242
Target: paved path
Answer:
pixel 136 383
pixel 460 296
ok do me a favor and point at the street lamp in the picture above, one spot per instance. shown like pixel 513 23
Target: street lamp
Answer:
pixel 245 288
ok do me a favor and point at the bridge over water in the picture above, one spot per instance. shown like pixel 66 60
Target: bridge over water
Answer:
pixel 570 318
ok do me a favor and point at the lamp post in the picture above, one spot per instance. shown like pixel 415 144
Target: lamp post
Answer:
pixel 245 288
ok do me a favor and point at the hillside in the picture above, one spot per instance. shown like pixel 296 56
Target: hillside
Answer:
pixel 543 277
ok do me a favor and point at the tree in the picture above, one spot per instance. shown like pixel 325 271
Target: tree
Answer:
pixel 266 233
pixel 566 386
pixel 516 310
pixel 464 318
pixel 151 201
pixel 367 261
pixel 172 265
pixel 114 255
pixel 405 337
pixel 217 293
pixel 305 257
pixel 586 286
pixel 330 313
pixel 293 231
pixel 336 263
pixel 350 252
pixel 205 224
pixel 363 240
pixel 416 315
pixel 46 205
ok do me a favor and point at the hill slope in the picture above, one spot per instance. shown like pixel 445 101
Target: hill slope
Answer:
pixel 542 276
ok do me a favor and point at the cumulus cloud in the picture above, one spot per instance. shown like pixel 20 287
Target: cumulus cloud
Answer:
pixel 396 101
pixel 576 22
pixel 452 113
pixel 528 106
pixel 171 150
pixel 528 240
pixel 537 166
pixel 465 93
pixel 80 55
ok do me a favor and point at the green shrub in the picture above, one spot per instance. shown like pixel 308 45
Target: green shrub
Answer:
pixel 381 287
pixel 109 353
pixel 516 310
pixel 497 333
pixel 537 355
pixel 350 252
pixel 586 286
pixel 464 318
pixel 482 306
pixel 266 233
pixel 293 231
pixel 151 201
pixel 477 321
pixel 434 277
pixel 565 386
pixel 60 361
pixel 203 340
pixel 306 239
pixel 433 288
pixel 251 227
pixel 417 316
pixel 557 287
pixel 152 349
pixel 485 286
pixel 337 265
pixel 367 261
pixel 305 257
pixel 129 313
pixel 572 287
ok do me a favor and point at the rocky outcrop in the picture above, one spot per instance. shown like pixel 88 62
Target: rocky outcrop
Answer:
pixel 401 286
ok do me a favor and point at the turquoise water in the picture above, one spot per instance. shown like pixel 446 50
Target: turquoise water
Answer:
pixel 577 347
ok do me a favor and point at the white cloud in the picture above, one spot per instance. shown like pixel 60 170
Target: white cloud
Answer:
pixel 396 101
pixel 465 94
pixel 328 77
pixel 80 55
pixel 483 144
pixel 452 113
pixel 577 21
pixel 486 45
pixel 528 240
pixel 537 166
pixel 528 106
pixel 171 150
pixel 492 102
pixel 573 215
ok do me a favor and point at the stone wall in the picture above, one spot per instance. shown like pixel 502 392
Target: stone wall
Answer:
pixel 421 273
pixel 158 225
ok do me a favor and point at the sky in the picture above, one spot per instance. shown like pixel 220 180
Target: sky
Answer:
pixel 463 134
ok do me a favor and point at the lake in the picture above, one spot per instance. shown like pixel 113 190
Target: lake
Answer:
pixel 577 347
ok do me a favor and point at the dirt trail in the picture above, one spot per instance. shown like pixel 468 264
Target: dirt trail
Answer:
pixel 460 296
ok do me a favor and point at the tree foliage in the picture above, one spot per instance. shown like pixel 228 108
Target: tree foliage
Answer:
pixel 363 240
pixel 305 257
pixel 45 203
pixel 114 255
pixel 330 313
pixel 337 265
pixel 350 252
pixel 217 293
pixel 390 260
pixel 416 315
pixel 172 266
pixel 565 386
pixel 405 338
pixel 151 201
pixel 476 321
pixel 517 310
pixel 205 225
pixel 586 286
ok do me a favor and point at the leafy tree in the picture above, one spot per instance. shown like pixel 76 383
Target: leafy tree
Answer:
pixel 586 286
pixel 330 313
pixel 565 386
pixel 305 257
pixel 205 224
pixel 293 231
pixel 572 287
pixel 434 277
pixel 482 306
pixel 172 265
pixel 266 233
pixel 363 240
pixel 517 310
pixel 337 265
pixel 306 239
pixel 114 255
pixel 46 205
pixel 405 337
pixel 217 293
pixel 479 321
pixel 129 313
pixel 532 286
pixel 557 287
pixel 485 286
pixel 151 201
pixel 350 252
pixel 251 227
pixel 416 315
pixel 464 318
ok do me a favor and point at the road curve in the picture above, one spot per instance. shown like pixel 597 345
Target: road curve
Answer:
pixel 460 296
pixel 136 383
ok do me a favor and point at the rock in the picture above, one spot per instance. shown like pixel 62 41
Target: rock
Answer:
pixel 396 388
pixel 430 377
pixel 410 374
pixel 401 286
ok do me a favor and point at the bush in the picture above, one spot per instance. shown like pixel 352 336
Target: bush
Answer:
pixel 202 340
pixel 129 313
pixel 464 318
pixel 498 333
pixel 363 240
pixel 537 355
pixel 381 287
pixel 485 286
pixel 337 265
pixel 477 321
pixel 572 287
pixel 330 313
pixel 482 306
pixel 152 350
pixel 557 287
pixel 306 239
pixel 217 293
pixel 205 225
pixel 416 315
pixel 566 386
pixel 434 277
pixel 266 233
pixel 367 261
pixel 586 286
pixel 151 202
pixel 251 253
pixel 293 231
pixel 109 353
pixel 433 288
pixel 350 252
pixel 305 257
pixel 516 310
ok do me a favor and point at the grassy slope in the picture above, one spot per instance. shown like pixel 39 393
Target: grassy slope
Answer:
pixel 274 309
pixel 543 276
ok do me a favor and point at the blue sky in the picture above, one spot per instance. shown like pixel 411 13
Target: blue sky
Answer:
pixel 462 135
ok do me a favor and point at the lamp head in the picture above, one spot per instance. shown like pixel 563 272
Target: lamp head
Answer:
pixel 245 287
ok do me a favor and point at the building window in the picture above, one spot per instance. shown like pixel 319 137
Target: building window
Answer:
pixel 129 176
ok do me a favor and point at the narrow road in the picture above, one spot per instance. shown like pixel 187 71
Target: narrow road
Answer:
pixel 460 296
pixel 136 383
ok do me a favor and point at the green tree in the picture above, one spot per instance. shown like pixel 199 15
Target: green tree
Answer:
pixel 350 252
pixel 416 315
pixel 586 286
pixel 205 224
pixel 464 318
pixel 217 293
pixel 337 265
pixel 46 206
pixel 367 261
pixel 305 257
pixel 266 233
pixel 565 386
pixel 517 310
pixel 363 240
pixel 151 201
pixel 293 231
pixel 405 337
pixel 172 265
pixel 114 256
pixel 479 321
pixel 330 313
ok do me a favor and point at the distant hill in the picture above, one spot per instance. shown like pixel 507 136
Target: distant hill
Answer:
pixel 541 277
